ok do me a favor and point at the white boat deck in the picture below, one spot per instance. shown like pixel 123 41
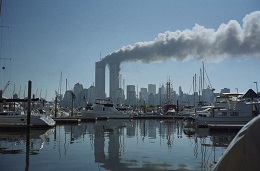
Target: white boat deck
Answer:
pixel 225 126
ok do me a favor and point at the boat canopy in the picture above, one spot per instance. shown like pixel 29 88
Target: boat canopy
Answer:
pixel 250 94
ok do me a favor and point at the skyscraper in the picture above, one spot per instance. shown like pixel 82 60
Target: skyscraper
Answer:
pixel 77 89
pixel 131 94
pixel 113 80
pixel 100 79
pixel 151 89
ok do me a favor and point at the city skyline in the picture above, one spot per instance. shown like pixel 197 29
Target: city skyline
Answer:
pixel 132 96
pixel 153 42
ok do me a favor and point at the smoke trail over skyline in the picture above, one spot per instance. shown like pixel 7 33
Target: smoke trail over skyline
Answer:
pixel 229 40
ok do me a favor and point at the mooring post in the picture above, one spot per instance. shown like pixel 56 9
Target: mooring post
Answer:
pixel 71 107
pixel 1 94
pixel 177 110
pixel 29 103
pixel 55 112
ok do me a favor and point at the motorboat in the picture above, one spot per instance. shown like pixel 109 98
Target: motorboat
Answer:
pixel 19 119
pixel 171 111
pixel 104 108
pixel 189 119
pixel 242 152
pixel 234 110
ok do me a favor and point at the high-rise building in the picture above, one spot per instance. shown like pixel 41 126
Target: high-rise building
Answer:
pixel 131 94
pixel 151 89
pixel 92 94
pixel 180 95
pixel 114 80
pixel 120 96
pixel 151 99
pixel 83 96
pixel 100 79
pixel 143 95
pixel 77 89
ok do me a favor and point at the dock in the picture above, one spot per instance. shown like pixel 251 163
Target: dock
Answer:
pixel 67 120
pixel 77 120
pixel 153 117
pixel 157 117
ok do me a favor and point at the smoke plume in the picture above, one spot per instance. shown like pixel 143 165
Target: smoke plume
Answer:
pixel 229 40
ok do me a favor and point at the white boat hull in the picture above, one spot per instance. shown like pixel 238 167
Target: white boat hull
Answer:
pixel 21 121
pixel 205 121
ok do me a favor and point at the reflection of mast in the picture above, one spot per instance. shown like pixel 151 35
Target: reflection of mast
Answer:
pixel 27 159
pixel 168 91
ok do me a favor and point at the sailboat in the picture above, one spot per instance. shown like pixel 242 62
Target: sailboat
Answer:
pixel 169 107
pixel 12 116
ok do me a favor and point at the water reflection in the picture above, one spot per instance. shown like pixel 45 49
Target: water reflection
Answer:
pixel 207 144
pixel 28 142
pixel 14 141
pixel 120 145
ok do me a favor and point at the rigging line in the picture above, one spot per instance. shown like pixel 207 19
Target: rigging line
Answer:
pixel 208 79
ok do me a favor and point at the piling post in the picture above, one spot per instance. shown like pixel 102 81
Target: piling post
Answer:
pixel 71 107
pixel 29 103
pixel 55 109
pixel 177 107
pixel 1 94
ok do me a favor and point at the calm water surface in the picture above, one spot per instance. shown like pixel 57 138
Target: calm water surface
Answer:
pixel 113 145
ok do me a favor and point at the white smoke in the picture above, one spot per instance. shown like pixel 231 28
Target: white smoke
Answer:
pixel 229 40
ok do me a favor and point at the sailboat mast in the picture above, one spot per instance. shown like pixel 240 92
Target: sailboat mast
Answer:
pixel 0 7
pixel 60 81
pixel 203 71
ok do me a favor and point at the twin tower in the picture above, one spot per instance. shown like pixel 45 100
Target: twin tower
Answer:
pixel 100 79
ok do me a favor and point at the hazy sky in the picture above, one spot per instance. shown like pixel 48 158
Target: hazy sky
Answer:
pixel 155 40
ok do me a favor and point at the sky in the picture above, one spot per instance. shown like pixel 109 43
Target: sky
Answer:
pixel 154 41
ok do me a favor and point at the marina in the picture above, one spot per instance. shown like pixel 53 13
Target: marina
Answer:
pixel 109 96
pixel 114 145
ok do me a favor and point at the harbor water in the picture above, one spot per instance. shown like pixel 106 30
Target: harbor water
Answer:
pixel 113 145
